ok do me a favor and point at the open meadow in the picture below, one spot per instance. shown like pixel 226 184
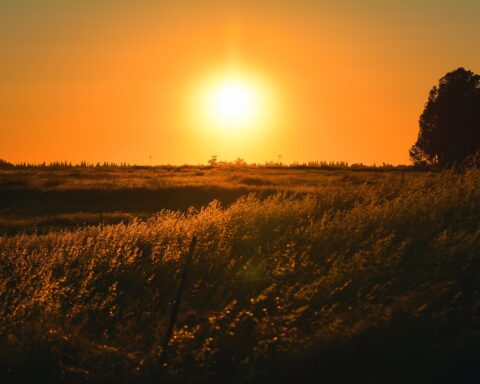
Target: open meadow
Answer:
pixel 44 198
pixel 293 275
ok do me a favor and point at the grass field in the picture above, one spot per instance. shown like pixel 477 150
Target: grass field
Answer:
pixel 297 276
pixel 54 198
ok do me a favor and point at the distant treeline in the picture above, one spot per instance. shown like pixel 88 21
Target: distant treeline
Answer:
pixel 332 165
pixel 61 164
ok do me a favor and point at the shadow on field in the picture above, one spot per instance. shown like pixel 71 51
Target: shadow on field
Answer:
pixel 37 202
pixel 35 209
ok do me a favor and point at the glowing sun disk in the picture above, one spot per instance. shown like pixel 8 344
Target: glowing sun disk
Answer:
pixel 233 103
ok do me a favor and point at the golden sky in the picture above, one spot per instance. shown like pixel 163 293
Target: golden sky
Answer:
pixel 124 80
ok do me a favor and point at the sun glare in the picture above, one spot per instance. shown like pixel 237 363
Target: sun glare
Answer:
pixel 233 103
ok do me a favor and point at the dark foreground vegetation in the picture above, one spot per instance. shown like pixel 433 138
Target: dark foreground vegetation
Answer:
pixel 325 277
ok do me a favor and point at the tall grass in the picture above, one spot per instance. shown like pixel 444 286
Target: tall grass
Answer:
pixel 336 284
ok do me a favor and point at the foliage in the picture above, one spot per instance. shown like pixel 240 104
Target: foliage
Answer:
pixel 335 284
pixel 472 161
pixel 450 123
pixel 5 164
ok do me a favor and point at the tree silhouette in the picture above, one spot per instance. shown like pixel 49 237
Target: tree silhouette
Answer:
pixel 213 161
pixel 450 123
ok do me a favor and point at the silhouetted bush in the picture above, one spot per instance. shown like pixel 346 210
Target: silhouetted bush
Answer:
pixel 5 164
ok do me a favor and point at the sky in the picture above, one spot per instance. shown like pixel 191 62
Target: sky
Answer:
pixel 129 81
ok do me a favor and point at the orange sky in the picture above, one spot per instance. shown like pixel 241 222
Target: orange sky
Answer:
pixel 115 80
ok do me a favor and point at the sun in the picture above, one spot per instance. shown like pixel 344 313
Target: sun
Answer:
pixel 233 103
